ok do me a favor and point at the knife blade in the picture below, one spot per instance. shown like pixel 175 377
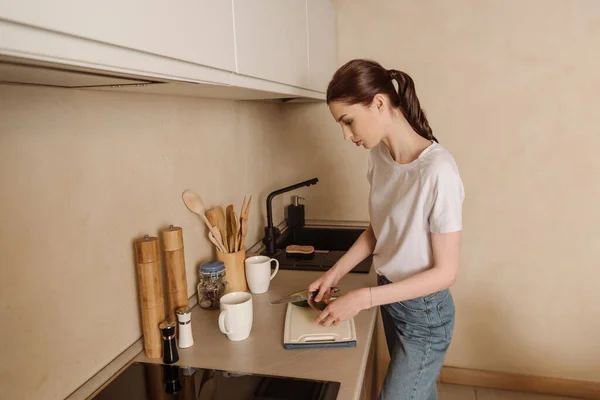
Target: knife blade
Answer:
pixel 291 299
pixel 301 296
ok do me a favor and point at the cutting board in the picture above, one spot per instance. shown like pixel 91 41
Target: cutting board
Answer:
pixel 302 332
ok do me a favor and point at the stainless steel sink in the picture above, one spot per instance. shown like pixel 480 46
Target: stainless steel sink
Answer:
pixel 330 245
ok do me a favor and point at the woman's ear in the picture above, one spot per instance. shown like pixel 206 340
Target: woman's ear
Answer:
pixel 379 102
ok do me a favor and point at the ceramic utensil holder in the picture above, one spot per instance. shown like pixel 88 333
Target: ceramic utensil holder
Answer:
pixel 235 272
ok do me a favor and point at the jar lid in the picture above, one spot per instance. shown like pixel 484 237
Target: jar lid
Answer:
pixel 212 267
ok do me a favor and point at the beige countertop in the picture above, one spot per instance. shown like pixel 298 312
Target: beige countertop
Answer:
pixel 263 351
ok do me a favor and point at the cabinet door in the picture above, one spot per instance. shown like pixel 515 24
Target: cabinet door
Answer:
pixel 198 31
pixel 322 46
pixel 271 40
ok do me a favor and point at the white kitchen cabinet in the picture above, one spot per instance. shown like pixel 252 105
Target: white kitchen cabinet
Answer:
pixel 322 46
pixel 197 31
pixel 271 40
pixel 278 49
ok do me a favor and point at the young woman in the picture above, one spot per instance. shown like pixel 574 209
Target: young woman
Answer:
pixel 415 208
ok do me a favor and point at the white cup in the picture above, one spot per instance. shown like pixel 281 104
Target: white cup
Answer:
pixel 258 273
pixel 235 319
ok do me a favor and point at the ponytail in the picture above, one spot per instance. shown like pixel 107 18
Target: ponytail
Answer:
pixel 410 105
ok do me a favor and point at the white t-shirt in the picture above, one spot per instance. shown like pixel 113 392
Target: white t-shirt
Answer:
pixel 407 203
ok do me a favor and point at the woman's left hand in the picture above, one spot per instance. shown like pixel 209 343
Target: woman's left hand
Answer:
pixel 344 307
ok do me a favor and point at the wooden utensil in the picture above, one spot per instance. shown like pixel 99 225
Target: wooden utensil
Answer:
pixel 235 229
pixel 214 241
pixel 244 220
pixel 243 229
pixel 213 217
pixel 228 216
pixel 219 239
pixel 194 203
pixel 222 225
pixel 231 228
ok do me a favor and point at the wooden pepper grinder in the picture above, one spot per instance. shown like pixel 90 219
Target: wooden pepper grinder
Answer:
pixel 152 303
pixel 172 241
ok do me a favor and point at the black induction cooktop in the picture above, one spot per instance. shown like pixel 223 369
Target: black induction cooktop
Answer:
pixel 141 381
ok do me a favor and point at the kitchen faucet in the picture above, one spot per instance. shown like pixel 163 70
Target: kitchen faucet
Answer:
pixel 272 232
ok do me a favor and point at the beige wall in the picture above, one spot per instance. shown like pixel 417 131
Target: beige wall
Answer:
pixel 313 146
pixel 85 173
pixel 511 88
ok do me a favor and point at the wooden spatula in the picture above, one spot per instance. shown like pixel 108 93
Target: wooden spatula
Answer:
pixel 231 228
pixel 213 217
pixel 244 221
pixel 236 231
pixel 222 225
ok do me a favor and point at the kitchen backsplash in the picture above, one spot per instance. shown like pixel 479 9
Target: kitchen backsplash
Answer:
pixel 85 173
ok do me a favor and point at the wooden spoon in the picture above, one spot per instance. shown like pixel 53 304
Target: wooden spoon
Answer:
pixel 194 203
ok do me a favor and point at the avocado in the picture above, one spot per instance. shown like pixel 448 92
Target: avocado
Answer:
pixel 304 303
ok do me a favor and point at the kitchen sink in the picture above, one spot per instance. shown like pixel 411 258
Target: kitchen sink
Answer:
pixel 330 245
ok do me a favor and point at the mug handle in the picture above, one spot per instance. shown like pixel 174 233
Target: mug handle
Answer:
pixel 222 322
pixel 276 268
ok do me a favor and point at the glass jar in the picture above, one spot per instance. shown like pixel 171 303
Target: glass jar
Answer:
pixel 212 284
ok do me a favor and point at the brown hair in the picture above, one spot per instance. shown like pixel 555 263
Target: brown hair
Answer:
pixel 358 81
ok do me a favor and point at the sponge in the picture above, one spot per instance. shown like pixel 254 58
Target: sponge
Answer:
pixel 296 250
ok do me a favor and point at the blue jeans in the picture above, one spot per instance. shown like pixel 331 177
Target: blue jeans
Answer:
pixel 418 334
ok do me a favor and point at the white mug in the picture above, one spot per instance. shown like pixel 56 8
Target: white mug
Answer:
pixel 258 273
pixel 235 319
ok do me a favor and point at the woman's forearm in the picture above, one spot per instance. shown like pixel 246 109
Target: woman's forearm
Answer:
pixel 361 249
pixel 446 256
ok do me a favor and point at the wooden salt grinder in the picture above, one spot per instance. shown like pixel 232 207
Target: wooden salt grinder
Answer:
pixel 152 303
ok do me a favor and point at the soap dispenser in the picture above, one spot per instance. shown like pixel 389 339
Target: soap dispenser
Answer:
pixel 296 213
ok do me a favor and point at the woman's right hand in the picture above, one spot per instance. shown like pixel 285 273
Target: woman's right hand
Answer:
pixel 324 284
pixel 363 247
